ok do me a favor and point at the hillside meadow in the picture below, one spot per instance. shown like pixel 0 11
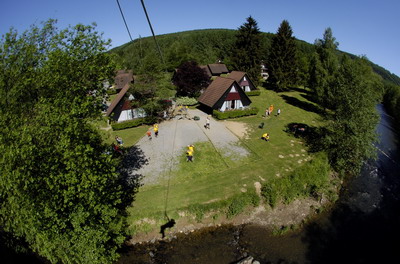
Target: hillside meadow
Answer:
pixel 215 187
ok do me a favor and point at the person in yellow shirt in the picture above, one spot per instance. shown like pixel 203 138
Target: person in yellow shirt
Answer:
pixel 191 148
pixel 189 155
pixel 155 127
pixel 265 137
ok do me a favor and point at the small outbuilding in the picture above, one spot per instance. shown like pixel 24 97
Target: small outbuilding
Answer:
pixel 224 94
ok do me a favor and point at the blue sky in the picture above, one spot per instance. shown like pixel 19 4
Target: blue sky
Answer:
pixel 362 27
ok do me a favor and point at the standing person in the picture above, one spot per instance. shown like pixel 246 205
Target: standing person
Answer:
pixel 148 133
pixel 189 154
pixel 156 130
pixel 267 112
pixel 119 140
pixel 191 148
pixel 207 125
pixel 279 112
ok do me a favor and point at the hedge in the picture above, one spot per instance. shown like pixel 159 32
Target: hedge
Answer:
pixel 134 123
pixel 111 91
pixel 235 113
pixel 253 93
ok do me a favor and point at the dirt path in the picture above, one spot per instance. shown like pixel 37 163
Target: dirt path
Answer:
pixel 174 135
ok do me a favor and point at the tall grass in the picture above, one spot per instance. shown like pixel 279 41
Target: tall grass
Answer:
pixel 311 179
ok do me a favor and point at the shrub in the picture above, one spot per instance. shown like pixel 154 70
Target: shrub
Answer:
pixel 240 202
pixel 111 91
pixel 186 101
pixel 134 123
pixel 253 93
pixel 309 180
pixel 235 113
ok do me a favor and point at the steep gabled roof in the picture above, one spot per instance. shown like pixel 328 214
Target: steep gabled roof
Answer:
pixel 123 77
pixel 215 90
pixel 236 75
pixel 117 99
pixel 218 68
pixel 207 70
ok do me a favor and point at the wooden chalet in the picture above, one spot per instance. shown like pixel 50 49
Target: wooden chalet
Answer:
pixel 243 80
pixel 224 94
pixel 215 69
pixel 120 108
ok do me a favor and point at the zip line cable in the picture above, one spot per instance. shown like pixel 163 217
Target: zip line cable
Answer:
pixel 123 17
pixel 152 31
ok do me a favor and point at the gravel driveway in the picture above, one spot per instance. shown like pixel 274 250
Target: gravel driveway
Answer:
pixel 174 136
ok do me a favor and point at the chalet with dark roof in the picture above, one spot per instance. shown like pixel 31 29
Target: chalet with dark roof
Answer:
pixel 224 94
pixel 120 108
pixel 122 78
pixel 243 80
pixel 215 69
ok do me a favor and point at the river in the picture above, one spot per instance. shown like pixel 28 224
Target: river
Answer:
pixel 363 227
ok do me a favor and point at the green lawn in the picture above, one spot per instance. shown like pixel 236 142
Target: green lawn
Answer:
pixel 212 179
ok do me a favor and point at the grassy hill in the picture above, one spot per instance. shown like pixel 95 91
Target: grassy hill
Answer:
pixel 206 46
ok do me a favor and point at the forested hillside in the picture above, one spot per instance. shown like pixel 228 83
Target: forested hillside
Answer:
pixel 207 46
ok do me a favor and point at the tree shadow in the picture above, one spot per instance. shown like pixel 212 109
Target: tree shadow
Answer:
pixel 313 136
pixel 132 160
pixel 302 104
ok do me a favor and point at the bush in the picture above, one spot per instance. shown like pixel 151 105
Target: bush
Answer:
pixel 186 101
pixel 111 91
pixel 253 93
pixel 134 123
pixel 309 180
pixel 235 113
pixel 240 202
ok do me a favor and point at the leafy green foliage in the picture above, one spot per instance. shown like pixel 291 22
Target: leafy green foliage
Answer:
pixel 134 123
pixel 186 101
pixel 309 180
pixel 391 100
pixel 253 93
pixel 59 191
pixel 282 60
pixel 235 113
pixel 324 66
pixel 352 128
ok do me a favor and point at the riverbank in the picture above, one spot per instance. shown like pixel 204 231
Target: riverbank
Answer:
pixel 280 219
pixel 269 234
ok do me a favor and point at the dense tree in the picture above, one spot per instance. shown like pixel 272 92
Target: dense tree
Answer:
pixel 351 130
pixel 323 68
pixel 59 190
pixel 246 54
pixel 190 79
pixel 282 60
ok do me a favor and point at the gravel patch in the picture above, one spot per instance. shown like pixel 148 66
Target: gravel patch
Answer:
pixel 174 135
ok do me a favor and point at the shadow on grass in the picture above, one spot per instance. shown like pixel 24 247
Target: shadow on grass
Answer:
pixel 132 159
pixel 302 104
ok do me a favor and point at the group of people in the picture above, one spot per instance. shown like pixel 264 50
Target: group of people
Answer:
pixel 270 109
pixel 155 128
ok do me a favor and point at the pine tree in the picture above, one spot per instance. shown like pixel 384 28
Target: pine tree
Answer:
pixel 282 60
pixel 247 50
